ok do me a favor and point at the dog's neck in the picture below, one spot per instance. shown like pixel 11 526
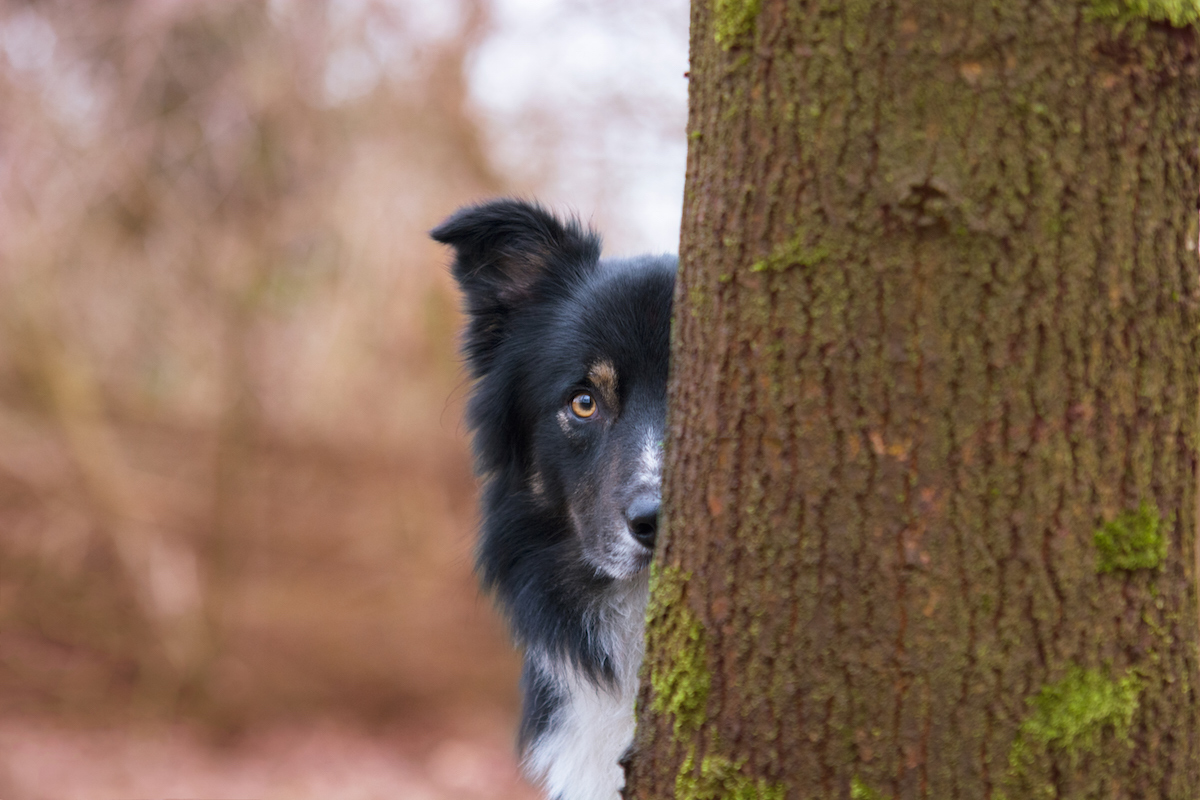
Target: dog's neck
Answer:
pixel 578 756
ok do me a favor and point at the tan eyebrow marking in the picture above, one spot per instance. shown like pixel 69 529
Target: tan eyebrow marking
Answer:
pixel 603 375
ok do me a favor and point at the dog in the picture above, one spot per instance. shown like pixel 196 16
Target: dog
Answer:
pixel 568 355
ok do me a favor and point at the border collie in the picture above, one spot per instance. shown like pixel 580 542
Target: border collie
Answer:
pixel 569 358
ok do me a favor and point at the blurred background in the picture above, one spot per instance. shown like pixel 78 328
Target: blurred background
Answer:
pixel 236 502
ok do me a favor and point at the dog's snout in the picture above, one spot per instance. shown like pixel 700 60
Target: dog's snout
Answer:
pixel 642 516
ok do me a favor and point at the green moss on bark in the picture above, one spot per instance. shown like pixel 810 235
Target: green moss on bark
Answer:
pixel 1179 13
pixel 722 779
pixel 860 791
pixel 1131 541
pixel 681 686
pixel 793 253
pixel 734 20
pixel 1069 719
pixel 1070 714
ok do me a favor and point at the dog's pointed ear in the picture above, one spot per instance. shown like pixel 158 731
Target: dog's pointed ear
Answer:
pixel 508 255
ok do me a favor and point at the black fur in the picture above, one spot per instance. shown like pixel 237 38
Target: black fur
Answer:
pixel 562 493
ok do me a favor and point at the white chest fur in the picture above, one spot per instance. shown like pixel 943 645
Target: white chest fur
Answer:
pixel 577 757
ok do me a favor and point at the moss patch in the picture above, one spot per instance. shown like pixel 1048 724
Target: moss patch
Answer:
pixel 734 19
pixel 1069 719
pixel 860 791
pixel 1131 541
pixel 1179 13
pixel 722 779
pixel 680 687
pixel 1071 713
pixel 793 253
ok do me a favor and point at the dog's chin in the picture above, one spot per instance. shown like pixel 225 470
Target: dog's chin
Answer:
pixel 623 563
pixel 637 566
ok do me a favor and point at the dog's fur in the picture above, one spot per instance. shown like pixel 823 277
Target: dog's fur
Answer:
pixel 570 500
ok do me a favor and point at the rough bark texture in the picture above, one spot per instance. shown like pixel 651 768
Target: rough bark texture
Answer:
pixel 932 453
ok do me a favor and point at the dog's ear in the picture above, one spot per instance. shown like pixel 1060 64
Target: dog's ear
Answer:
pixel 508 255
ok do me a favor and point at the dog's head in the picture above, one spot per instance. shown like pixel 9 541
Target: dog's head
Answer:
pixel 570 360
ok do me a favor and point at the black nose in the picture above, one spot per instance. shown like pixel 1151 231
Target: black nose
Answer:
pixel 642 516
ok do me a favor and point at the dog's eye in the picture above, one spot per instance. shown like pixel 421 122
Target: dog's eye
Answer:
pixel 583 405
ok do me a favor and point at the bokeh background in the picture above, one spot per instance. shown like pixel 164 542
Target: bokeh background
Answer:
pixel 236 502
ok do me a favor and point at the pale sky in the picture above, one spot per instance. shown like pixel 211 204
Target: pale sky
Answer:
pixel 589 97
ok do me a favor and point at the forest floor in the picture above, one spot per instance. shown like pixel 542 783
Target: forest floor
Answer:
pixel 467 759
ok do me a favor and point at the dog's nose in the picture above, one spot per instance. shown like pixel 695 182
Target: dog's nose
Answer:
pixel 642 516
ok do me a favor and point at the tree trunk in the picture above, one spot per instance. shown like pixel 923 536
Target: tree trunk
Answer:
pixel 932 452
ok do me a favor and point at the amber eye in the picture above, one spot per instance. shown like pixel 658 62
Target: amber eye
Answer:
pixel 583 405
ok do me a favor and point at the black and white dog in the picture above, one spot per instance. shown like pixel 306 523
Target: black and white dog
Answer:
pixel 569 355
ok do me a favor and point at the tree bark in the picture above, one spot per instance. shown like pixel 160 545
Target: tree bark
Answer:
pixel 931 476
